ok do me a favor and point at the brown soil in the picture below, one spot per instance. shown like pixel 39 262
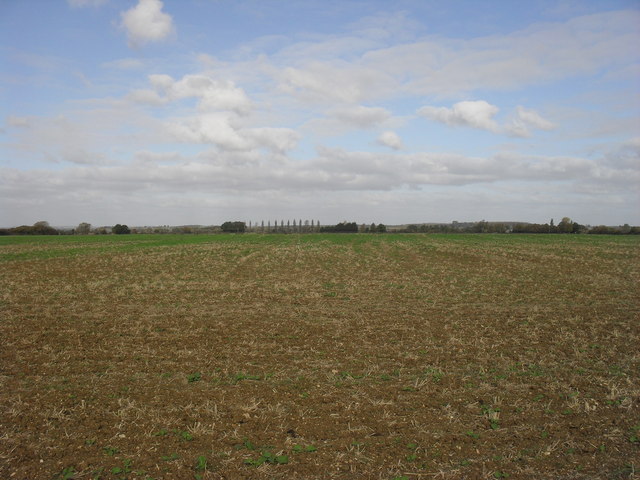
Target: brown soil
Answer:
pixel 424 358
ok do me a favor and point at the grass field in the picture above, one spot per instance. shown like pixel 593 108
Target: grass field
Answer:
pixel 319 357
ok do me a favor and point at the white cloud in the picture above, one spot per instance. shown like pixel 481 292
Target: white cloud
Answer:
pixel 335 81
pixel 146 97
pixel 146 157
pixel 354 67
pixel 524 120
pixel 480 114
pixel 212 94
pixel 533 119
pixel 279 140
pixel 476 114
pixel 146 22
pixel 224 130
pixel 86 3
pixel 390 139
pixel 13 121
pixel 348 178
pixel 82 137
pixel 361 116
pixel 124 64
pixel 211 128
pixel 624 156
pixel 333 169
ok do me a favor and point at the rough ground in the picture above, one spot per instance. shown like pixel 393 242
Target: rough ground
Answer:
pixel 320 357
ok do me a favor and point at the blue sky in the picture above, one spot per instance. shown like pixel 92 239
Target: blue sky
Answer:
pixel 150 112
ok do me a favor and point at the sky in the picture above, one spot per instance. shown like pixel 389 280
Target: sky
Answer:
pixel 182 112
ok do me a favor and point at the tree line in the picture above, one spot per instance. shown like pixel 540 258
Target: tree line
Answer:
pixel 309 226
pixel 43 228
pixel 565 226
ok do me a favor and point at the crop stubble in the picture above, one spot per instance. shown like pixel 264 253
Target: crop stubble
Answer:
pixel 354 357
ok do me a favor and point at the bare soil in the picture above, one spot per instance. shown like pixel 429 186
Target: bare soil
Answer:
pixel 322 357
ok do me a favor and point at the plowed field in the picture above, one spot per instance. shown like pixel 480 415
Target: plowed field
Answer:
pixel 319 357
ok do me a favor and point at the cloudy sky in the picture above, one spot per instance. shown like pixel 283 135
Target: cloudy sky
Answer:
pixel 150 112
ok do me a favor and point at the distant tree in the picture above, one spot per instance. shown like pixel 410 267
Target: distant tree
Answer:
pixel 233 227
pixel 531 228
pixel 381 228
pixel 577 228
pixel 39 228
pixel 480 227
pixel 121 229
pixel 43 228
pixel 342 227
pixel 83 229
pixel 565 225
pixel 603 230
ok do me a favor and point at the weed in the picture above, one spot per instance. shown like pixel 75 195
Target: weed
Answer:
pixel 492 415
pixel 245 376
pixel 413 455
pixel 435 373
pixel 532 370
pixel 97 474
pixel 473 435
pixel 184 435
pixel 248 445
pixel 194 377
pixel 126 467
pixel 266 456
pixel 201 464
pixel 111 451
pixel 628 471
pixel 161 433
pixel 307 449
pixel 67 473
pixel 170 458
